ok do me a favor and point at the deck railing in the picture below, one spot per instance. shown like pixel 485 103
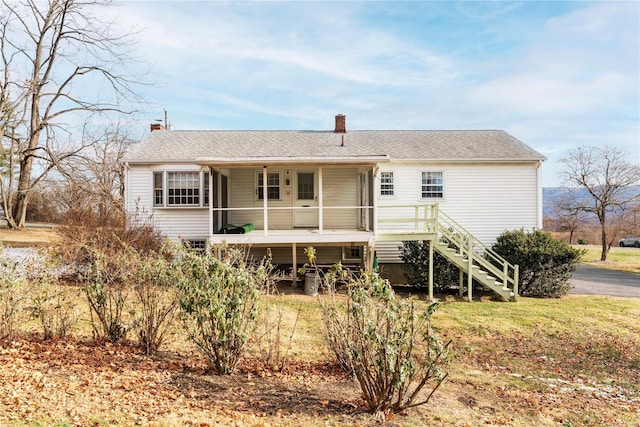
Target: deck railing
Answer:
pixel 407 218
pixel 362 217
pixel 384 219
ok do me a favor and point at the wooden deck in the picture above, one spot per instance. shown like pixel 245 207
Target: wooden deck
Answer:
pixel 297 236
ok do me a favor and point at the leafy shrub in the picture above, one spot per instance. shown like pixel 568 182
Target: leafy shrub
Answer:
pixel 219 300
pixel 153 281
pixel 415 255
pixel 385 342
pixel 546 263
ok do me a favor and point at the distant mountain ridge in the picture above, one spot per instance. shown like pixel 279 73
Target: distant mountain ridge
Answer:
pixel 551 194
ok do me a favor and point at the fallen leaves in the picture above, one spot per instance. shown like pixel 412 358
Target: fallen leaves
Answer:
pixel 86 383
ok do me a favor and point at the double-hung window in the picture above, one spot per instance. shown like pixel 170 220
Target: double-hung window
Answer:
pixel 273 186
pixel 432 185
pixel 387 184
pixel 181 189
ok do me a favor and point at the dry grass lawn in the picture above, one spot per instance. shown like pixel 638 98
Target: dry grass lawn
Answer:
pixel 623 259
pixel 28 237
pixel 573 361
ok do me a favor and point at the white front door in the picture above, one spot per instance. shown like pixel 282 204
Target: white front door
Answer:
pixel 306 198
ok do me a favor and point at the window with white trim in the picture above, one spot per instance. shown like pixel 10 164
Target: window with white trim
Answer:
pixel 387 184
pixel 158 192
pixel 273 186
pixel 352 253
pixel 181 189
pixel 196 245
pixel 432 185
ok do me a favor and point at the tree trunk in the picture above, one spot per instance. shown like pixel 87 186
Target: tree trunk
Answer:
pixel 603 234
pixel 19 213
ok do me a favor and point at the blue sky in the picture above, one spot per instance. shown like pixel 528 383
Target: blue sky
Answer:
pixel 554 74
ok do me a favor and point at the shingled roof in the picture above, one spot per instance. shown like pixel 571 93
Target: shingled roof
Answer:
pixel 441 145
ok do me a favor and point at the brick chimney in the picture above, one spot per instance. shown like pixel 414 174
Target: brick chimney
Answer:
pixel 157 126
pixel 341 123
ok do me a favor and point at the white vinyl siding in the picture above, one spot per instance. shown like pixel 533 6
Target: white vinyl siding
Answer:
pixel 486 199
pixel 176 223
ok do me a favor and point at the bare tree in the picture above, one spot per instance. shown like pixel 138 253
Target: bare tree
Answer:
pixel 605 174
pixel 568 217
pixel 95 178
pixel 58 58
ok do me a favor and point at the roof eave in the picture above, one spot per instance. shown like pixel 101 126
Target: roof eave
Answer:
pixel 260 161
pixel 470 160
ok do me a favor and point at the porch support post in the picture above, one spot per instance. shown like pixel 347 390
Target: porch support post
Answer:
pixel 431 271
pixel 320 201
pixel 294 270
pixel 221 213
pixel 470 269
pixel 211 224
pixel 371 248
pixel 461 282
pixel 265 204
pixel 376 191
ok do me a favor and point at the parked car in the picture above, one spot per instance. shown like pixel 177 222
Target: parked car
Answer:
pixel 630 241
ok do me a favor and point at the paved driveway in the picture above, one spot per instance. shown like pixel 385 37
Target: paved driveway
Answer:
pixel 589 280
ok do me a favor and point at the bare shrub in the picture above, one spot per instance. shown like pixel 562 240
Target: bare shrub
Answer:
pixel 274 335
pixel 386 343
pixel 12 296
pixel 84 228
pixel 153 280
pixel 105 284
pixel 52 305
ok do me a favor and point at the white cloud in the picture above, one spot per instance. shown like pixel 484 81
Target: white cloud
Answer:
pixel 554 79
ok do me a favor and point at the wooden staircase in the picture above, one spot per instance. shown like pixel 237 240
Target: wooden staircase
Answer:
pixel 451 240
pixel 471 256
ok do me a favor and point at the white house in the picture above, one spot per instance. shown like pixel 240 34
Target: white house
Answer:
pixel 346 193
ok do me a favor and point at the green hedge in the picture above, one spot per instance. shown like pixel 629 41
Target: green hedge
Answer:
pixel 546 264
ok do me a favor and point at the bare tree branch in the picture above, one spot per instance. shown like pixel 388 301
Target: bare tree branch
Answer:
pixel 48 49
pixel 605 174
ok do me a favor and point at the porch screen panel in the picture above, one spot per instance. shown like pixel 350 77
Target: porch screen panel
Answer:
pixel 217 223
pixel 225 199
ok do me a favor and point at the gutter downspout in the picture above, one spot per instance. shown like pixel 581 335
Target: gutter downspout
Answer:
pixel 539 195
